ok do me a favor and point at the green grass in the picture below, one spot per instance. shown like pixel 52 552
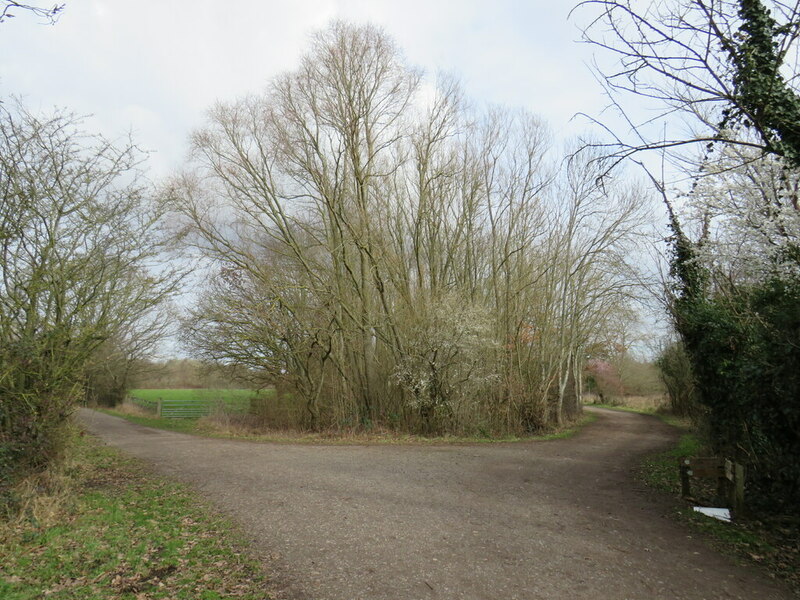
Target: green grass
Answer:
pixel 660 470
pixel 234 400
pixel 125 534
pixel 227 395
pixel 197 402
pixel 179 425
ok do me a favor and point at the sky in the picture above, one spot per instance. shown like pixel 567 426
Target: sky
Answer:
pixel 153 68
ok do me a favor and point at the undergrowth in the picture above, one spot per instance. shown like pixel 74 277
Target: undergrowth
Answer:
pixel 237 427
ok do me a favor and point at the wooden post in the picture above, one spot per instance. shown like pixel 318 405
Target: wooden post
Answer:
pixel 736 498
pixel 684 471
pixel 729 476
pixel 158 408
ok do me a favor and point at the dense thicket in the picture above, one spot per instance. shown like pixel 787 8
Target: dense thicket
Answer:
pixel 747 364
pixel 390 255
pixel 77 238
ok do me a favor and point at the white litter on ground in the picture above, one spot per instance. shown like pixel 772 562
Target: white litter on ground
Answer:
pixel 723 514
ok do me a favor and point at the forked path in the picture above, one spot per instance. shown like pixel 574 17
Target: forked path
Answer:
pixel 540 520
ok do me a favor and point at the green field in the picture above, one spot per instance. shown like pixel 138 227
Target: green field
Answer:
pixel 229 395
pixel 194 403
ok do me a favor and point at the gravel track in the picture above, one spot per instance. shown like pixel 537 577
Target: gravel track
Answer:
pixel 534 520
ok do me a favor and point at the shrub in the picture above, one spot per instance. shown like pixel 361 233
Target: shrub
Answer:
pixel 745 352
pixel 675 370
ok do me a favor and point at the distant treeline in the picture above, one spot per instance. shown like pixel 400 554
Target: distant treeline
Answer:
pixel 186 373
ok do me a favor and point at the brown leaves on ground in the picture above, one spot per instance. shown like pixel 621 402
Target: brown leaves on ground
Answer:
pixel 126 534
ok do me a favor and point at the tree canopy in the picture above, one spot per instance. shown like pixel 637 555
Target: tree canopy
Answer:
pixel 400 259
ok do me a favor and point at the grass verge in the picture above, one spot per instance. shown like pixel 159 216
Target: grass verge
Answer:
pixel 217 428
pixel 123 533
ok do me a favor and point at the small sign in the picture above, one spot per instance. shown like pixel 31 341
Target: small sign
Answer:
pixel 705 467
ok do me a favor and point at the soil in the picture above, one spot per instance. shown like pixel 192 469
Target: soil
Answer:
pixel 533 520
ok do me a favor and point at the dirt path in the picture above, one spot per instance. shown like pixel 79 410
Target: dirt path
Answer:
pixel 542 520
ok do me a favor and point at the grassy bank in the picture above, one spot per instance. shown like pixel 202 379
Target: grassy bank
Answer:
pixel 112 530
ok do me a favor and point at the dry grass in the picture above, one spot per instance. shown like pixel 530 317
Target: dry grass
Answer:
pixel 222 424
pixel 655 403
pixel 650 404
pixel 132 410
pixel 42 498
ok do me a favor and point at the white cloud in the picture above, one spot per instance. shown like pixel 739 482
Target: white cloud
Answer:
pixel 155 67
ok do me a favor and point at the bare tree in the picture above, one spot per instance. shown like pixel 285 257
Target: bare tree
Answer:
pixel 79 252
pixel 9 9
pixel 719 72
pixel 388 255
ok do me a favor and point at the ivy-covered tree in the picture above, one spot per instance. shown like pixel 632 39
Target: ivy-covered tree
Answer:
pixel 726 72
